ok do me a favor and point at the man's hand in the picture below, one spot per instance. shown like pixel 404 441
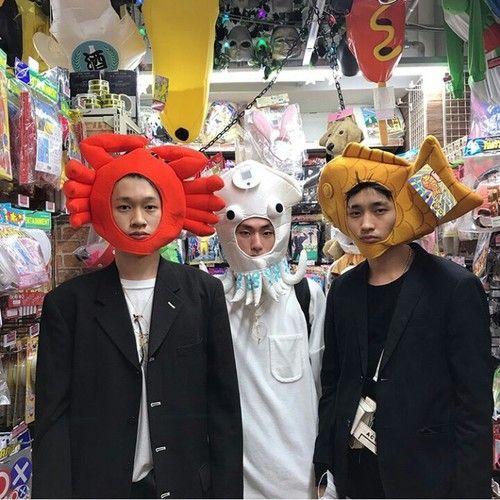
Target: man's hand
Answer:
pixel 321 490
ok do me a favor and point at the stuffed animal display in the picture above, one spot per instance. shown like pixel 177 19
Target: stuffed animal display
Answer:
pixel 342 129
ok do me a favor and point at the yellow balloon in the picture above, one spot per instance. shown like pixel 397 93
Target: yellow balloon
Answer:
pixel 33 20
pixel 182 35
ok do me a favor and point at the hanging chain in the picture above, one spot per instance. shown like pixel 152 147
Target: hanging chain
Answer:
pixel 335 68
pixel 281 65
pixel 336 37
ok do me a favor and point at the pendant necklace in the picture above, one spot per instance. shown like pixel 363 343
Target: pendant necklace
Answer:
pixel 138 319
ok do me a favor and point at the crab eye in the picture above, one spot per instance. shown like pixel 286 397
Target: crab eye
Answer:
pixel 234 212
pixel 275 209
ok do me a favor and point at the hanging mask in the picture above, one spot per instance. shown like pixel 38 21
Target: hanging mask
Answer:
pixel 282 39
pixel 240 44
pixel 279 6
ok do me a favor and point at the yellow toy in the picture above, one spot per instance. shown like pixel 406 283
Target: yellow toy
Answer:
pixel 425 193
pixel 182 35
pixel 33 21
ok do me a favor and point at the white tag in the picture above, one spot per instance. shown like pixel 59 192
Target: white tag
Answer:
pixel 50 206
pixel 23 201
pixel 330 490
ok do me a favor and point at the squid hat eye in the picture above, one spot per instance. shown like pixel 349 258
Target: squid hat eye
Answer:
pixel 234 213
pixel 275 209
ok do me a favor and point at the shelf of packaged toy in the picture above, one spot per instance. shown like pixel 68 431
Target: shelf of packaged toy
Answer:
pixel 25 278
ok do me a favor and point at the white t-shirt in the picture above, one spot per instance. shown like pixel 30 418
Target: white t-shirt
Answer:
pixel 139 298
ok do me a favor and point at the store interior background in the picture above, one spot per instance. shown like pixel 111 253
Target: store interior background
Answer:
pixel 422 95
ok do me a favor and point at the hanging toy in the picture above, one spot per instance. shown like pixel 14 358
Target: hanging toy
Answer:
pixel 341 130
pixel 375 32
pixel 182 36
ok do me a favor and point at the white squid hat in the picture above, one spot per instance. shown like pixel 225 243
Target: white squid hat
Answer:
pixel 252 189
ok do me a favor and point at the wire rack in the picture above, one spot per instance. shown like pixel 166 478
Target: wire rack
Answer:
pixel 454 151
pixel 417 116
pixel 456 116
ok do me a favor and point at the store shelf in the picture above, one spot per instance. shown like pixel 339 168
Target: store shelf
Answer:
pixel 117 120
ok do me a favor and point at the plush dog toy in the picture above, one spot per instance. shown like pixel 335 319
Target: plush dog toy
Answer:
pixel 341 130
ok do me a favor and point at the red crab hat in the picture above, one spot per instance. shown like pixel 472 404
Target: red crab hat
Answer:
pixel 186 203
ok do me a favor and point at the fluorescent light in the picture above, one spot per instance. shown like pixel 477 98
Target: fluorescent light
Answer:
pixel 311 74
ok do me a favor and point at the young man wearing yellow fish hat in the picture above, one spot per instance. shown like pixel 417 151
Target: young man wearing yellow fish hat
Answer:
pixel 406 378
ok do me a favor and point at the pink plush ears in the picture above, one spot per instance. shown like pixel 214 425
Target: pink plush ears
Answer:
pixel 263 125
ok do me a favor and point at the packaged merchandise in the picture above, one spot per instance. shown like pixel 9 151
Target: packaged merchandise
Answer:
pixel 204 249
pixel 274 136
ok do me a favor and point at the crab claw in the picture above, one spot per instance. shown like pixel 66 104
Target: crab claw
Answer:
pixel 205 202
pixel 184 161
pixel 203 185
pixel 198 228
pixel 76 171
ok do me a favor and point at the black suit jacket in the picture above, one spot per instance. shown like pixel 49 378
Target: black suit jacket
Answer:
pixel 434 399
pixel 88 390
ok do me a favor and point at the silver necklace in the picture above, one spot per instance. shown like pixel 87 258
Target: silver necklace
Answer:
pixel 143 335
pixel 409 260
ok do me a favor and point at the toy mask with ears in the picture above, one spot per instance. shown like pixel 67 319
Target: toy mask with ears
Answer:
pixel 279 137
pixel 186 204
pixel 430 175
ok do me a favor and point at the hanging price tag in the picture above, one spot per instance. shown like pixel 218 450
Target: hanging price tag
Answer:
pixel 23 201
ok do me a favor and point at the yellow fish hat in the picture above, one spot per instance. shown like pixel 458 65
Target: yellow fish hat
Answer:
pixel 425 193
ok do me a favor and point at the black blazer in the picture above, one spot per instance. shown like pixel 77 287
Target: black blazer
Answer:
pixel 434 397
pixel 88 389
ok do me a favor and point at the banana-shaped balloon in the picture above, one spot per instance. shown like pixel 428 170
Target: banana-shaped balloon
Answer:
pixel 182 35
pixel 33 21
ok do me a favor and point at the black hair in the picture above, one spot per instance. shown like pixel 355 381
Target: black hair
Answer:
pixel 135 175
pixel 368 185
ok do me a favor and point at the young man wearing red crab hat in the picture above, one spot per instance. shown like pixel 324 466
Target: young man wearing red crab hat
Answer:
pixel 137 395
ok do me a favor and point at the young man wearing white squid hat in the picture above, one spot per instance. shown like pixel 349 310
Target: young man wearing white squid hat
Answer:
pixel 278 350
